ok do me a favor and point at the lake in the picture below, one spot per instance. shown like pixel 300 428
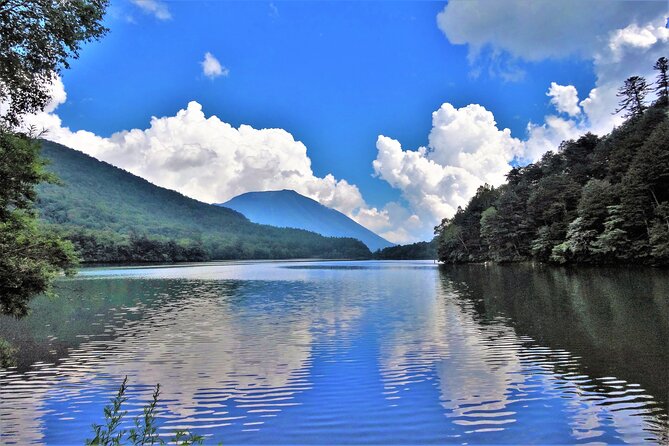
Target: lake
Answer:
pixel 348 352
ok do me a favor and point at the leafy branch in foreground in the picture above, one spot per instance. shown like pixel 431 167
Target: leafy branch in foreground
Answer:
pixel 38 38
pixel 30 256
pixel 145 431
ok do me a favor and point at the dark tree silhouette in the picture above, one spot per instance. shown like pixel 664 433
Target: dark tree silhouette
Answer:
pixel 662 83
pixel 633 94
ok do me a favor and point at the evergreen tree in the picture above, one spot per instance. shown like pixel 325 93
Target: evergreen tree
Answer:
pixel 662 83
pixel 577 156
pixel 633 94
pixel 509 240
pixel 582 232
pixel 578 245
pixel 659 239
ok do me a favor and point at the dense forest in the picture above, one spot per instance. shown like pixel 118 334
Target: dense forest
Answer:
pixel 413 251
pixel 111 215
pixel 595 200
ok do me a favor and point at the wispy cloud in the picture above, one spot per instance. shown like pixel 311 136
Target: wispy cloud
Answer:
pixel 273 10
pixel 154 7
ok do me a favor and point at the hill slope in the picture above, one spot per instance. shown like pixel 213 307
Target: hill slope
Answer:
pixel 413 251
pixel 288 209
pixel 110 214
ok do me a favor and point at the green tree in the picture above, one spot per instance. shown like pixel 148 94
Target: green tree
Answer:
pixel 459 238
pixel 451 246
pixel 507 228
pixel 613 244
pixel 489 232
pixel 659 241
pixel 597 200
pixel 38 38
pixel 577 155
pixel 29 257
pixel 650 167
pixel 596 196
pixel 553 199
pixel 547 238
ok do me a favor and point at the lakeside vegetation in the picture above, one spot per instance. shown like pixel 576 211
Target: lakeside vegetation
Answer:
pixel 597 200
pixel 412 251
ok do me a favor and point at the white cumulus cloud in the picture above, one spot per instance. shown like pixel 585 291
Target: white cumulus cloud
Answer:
pixel 212 68
pixel 156 8
pixel 208 159
pixel 629 51
pixel 466 149
pixel 625 52
pixel 564 98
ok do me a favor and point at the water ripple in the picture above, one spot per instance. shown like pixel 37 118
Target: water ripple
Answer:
pixel 308 353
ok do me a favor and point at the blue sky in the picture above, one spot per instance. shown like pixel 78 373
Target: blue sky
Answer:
pixel 333 75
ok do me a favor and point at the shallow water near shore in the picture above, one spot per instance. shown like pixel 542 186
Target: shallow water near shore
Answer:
pixel 348 352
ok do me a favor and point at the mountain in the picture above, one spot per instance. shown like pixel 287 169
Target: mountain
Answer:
pixel 114 216
pixel 288 209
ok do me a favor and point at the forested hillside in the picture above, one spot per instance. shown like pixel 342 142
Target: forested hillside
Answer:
pixel 413 251
pixel 597 200
pixel 113 216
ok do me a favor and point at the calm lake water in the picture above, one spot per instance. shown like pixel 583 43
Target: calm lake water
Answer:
pixel 348 352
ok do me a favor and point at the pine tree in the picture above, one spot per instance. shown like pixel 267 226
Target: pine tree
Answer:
pixel 662 83
pixel 633 94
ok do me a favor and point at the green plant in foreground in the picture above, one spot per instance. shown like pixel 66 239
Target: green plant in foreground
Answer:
pixel 145 431
pixel 107 434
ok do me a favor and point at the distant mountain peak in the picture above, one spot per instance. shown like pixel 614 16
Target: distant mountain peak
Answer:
pixel 288 208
